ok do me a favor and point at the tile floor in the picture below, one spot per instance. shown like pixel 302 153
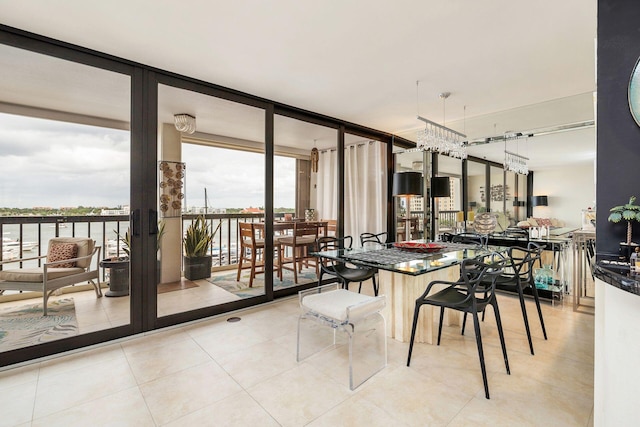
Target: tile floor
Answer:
pixel 214 372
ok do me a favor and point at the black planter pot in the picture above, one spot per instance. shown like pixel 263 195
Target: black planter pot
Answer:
pixel 627 250
pixel 118 276
pixel 197 267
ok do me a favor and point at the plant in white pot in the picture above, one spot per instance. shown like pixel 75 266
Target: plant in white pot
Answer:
pixel 197 241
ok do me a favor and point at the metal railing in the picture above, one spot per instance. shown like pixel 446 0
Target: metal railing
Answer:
pixel 106 229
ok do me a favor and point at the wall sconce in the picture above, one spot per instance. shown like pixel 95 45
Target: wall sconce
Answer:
pixel 185 123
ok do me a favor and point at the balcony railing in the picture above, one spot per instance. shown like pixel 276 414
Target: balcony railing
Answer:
pixel 105 229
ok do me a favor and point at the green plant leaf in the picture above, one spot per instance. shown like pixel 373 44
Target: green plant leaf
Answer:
pixel 615 217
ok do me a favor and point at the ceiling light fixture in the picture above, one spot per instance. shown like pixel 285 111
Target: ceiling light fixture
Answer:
pixel 515 162
pixel 439 138
pixel 185 123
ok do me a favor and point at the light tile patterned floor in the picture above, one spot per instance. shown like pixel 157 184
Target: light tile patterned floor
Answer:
pixel 234 374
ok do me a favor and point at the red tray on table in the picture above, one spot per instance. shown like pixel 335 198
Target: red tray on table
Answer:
pixel 420 247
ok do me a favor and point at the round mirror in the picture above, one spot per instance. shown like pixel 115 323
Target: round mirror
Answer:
pixel 634 93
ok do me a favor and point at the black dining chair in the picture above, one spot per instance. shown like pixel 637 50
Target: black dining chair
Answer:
pixel 470 238
pixel 375 239
pixel 518 277
pixel 470 294
pixel 344 273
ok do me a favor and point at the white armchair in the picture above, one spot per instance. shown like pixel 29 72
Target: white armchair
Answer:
pixel 56 273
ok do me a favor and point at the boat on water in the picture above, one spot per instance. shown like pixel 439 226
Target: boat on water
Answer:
pixel 8 243
pixel 9 254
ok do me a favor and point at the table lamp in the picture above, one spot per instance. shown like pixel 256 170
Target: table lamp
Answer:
pixel 540 201
pixel 407 184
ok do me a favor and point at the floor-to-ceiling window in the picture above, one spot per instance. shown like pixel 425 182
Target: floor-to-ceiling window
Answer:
pixel 413 212
pixel 65 146
pixel 313 188
pixel 450 209
pixel 212 175
pixel 127 177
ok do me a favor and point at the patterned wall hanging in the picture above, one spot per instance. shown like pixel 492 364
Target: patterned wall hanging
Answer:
pixel 172 179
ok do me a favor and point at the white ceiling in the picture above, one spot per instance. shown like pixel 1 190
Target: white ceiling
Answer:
pixel 509 66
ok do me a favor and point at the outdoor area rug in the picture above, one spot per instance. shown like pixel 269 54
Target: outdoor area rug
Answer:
pixel 25 326
pixel 229 283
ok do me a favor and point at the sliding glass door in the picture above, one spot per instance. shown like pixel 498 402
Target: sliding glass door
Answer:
pixel 211 181
pixel 65 147
pixel 305 198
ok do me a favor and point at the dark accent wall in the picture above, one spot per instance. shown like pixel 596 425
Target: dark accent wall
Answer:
pixel 618 135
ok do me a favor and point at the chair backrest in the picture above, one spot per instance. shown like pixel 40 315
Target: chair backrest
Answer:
pixel 302 229
pixel 475 275
pixel 85 247
pixel 470 238
pixel 379 239
pixel 247 234
pixel 332 225
pixel 522 261
pixel 332 243
pixel 447 237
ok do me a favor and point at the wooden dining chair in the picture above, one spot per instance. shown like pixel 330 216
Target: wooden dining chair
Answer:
pixel 252 247
pixel 304 236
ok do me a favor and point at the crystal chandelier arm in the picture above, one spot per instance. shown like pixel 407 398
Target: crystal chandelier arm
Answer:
pixel 441 127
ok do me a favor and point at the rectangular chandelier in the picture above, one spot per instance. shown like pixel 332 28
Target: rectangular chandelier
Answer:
pixel 515 163
pixel 441 139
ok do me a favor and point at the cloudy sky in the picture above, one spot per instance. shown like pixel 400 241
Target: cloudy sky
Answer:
pixel 56 164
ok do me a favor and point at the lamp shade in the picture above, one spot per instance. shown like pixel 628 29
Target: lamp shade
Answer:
pixel 407 183
pixel 539 201
pixel 440 186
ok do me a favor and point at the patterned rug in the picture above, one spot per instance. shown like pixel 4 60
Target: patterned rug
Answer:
pixel 25 326
pixel 241 288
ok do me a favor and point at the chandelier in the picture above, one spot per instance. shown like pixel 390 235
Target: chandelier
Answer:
pixel 512 161
pixel 185 123
pixel 439 138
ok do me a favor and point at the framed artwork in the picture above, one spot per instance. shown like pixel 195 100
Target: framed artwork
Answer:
pixel 634 92
pixel 171 179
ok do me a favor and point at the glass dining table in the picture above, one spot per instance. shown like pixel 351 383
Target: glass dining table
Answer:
pixel 405 272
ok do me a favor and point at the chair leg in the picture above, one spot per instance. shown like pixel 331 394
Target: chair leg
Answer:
pixel 360 288
pixel 240 264
pixel 440 323
pixel 413 330
pixel 253 270
pixel 496 311
pixel 526 318
pixel 45 297
pixel 476 325
pixel 375 285
pixel 464 322
pixel 295 265
pixel 537 299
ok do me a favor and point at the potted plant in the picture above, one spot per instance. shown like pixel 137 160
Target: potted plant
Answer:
pixel 197 241
pixel 629 212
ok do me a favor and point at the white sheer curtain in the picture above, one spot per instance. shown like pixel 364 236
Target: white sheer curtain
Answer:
pixel 327 185
pixel 365 188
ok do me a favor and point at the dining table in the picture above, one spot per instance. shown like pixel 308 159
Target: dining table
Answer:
pixel 404 271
